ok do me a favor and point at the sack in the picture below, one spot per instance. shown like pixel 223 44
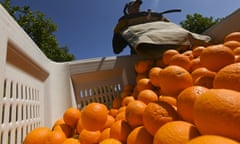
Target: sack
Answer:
pixel 153 38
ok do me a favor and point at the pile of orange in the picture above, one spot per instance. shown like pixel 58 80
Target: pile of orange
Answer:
pixel 181 98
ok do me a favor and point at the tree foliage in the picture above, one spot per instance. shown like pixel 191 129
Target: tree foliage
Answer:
pixel 197 23
pixel 41 29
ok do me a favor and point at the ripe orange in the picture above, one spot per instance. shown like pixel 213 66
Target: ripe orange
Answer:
pixel 237 58
pixel 56 137
pixel 89 137
pixel 143 84
pixel 186 100
pixel 109 122
pixel 215 57
pixel 58 122
pixel 121 114
pixel 79 127
pixel 173 79
pixel 143 66
pixel 195 63
pixel 175 132
pixel 228 77
pixel 71 141
pixel 202 71
pixel 181 60
pixel 236 51
pixel 197 51
pixel 113 112
pixel 66 129
pixel 94 116
pixel 169 99
pixel 37 136
pixel 139 135
pixel 117 101
pixel 232 36
pixel 71 116
pixel 212 139
pixel 128 87
pixel 141 76
pixel 217 112
pixel 120 130
pixel 232 44
pixel 153 76
pixel 157 114
pixel 147 96
pixel 110 141
pixel 189 53
pixel 167 55
pixel 104 134
pixel 126 100
pixel 205 81
pixel 134 112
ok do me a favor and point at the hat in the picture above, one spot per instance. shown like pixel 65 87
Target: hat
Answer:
pixel 135 1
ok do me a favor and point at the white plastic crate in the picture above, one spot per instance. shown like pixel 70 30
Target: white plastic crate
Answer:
pixel 35 91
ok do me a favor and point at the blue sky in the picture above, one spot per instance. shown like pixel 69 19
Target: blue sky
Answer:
pixel 86 26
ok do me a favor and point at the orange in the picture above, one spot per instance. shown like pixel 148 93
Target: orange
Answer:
pixel 157 114
pixel 232 44
pixel 215 57
pixel 66 129
pixel 228 77
pixel 125 93
pixel 186 100
pixel 143 66
pixel 212 139
pixel 110 141
pixel 236 51
pixel 205 81
pixel 167 55
pixel 232 36
pixel 89 137
pixel 175 132
pixel 128 87
pixel 71 116
pixel 79 127
pixel 201 71
pixel 126 100
pixel 147 96
pixel 139 135
pixel 117 101
pixel 169 99
pixel 113 112
pixel 71 141
pixel 58 122
pixel 173 79
pixel 37 136
pixel 109 122
pixel 195 63
pixel 104 134
pixel 237 58
pixel 143 84
pixel 217 112
pixel 120 130
pixel 94 116
pixel 197 51
pixel 140 76
pixel 189 53
pixel 121 116
pixel 56 137
pixel 153 76
pixel 134 112
pixel 181 60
